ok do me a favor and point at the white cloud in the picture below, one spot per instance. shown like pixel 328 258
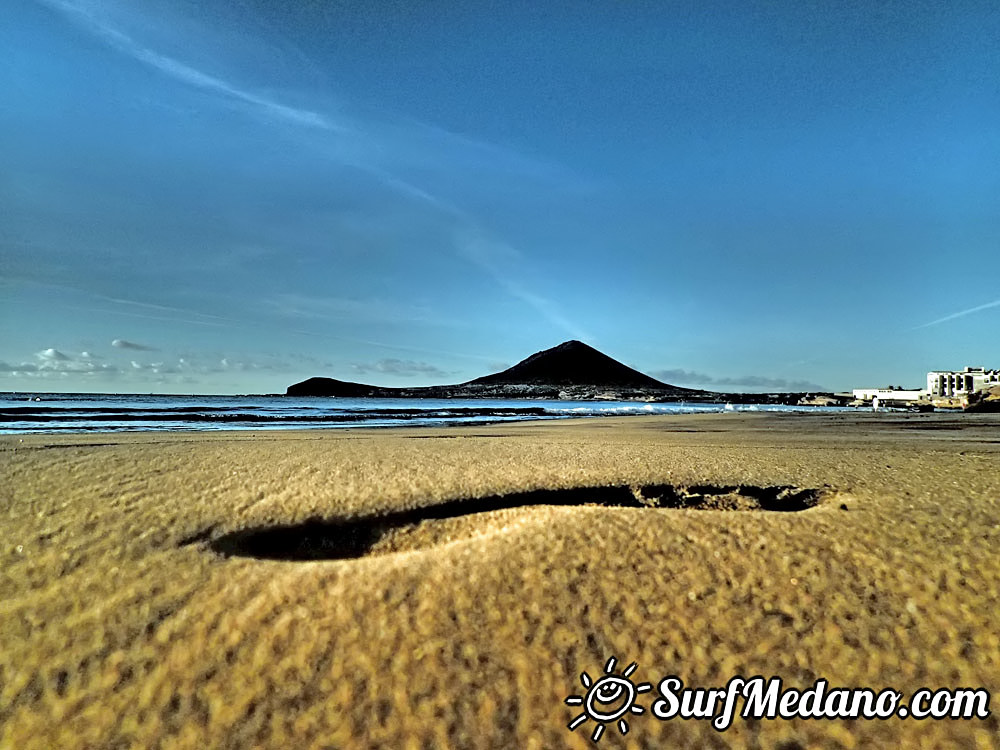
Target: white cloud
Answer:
pixel 51 362
pixel 21 369
pixel 52 355
pixel 123 344
pixel 199 369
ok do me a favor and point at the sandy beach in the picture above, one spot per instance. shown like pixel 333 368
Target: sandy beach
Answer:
pixel 421 588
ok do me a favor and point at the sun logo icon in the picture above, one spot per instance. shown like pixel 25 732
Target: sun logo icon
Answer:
pixel 610 698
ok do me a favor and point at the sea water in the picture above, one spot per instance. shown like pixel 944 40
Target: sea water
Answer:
pixel 72 412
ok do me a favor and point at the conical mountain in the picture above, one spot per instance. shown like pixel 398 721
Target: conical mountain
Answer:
pixel 570 370
pixel 572 363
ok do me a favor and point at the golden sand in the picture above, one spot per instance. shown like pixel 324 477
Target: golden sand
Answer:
pixel 121 626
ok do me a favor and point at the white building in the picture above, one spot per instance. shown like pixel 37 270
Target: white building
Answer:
pixel 892 394
pixel 969 380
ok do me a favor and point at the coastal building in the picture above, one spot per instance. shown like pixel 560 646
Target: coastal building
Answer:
pixel 970 380
pixel 947 389
pixel 890 395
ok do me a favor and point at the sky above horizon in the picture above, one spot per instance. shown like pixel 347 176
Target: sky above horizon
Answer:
pixel 229 197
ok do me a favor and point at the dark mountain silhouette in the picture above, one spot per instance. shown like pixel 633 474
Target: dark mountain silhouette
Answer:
pixel 572 363
pixel 571 370
pixel 331 387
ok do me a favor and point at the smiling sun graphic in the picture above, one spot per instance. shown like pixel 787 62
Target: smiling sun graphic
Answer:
pixel 608 699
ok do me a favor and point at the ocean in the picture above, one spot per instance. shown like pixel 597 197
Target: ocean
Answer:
pixel 75 412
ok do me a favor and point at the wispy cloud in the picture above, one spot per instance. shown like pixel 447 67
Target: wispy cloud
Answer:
pixel 380 146
pixel 304 306
pixel 960 314
pixel 758 382
pixel 130 308
pixel 765 383
pixel 201 317
pixel 682 376
pixel 401 367
pixel 187 74
pixel 366 139
pixel 499 260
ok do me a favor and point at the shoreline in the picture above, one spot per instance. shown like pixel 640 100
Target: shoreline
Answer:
pixel 128 620
pixel 219 419
pixel 806 412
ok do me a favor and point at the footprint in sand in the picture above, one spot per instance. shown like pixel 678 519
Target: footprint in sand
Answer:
pixel 325 539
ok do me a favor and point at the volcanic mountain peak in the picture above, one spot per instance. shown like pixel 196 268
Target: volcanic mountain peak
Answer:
pixel 571 363
pixel 570 370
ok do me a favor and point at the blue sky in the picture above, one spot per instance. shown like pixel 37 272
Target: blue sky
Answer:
pixel 206 197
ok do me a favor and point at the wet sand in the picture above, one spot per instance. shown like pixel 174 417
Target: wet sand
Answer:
pixel 445 588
